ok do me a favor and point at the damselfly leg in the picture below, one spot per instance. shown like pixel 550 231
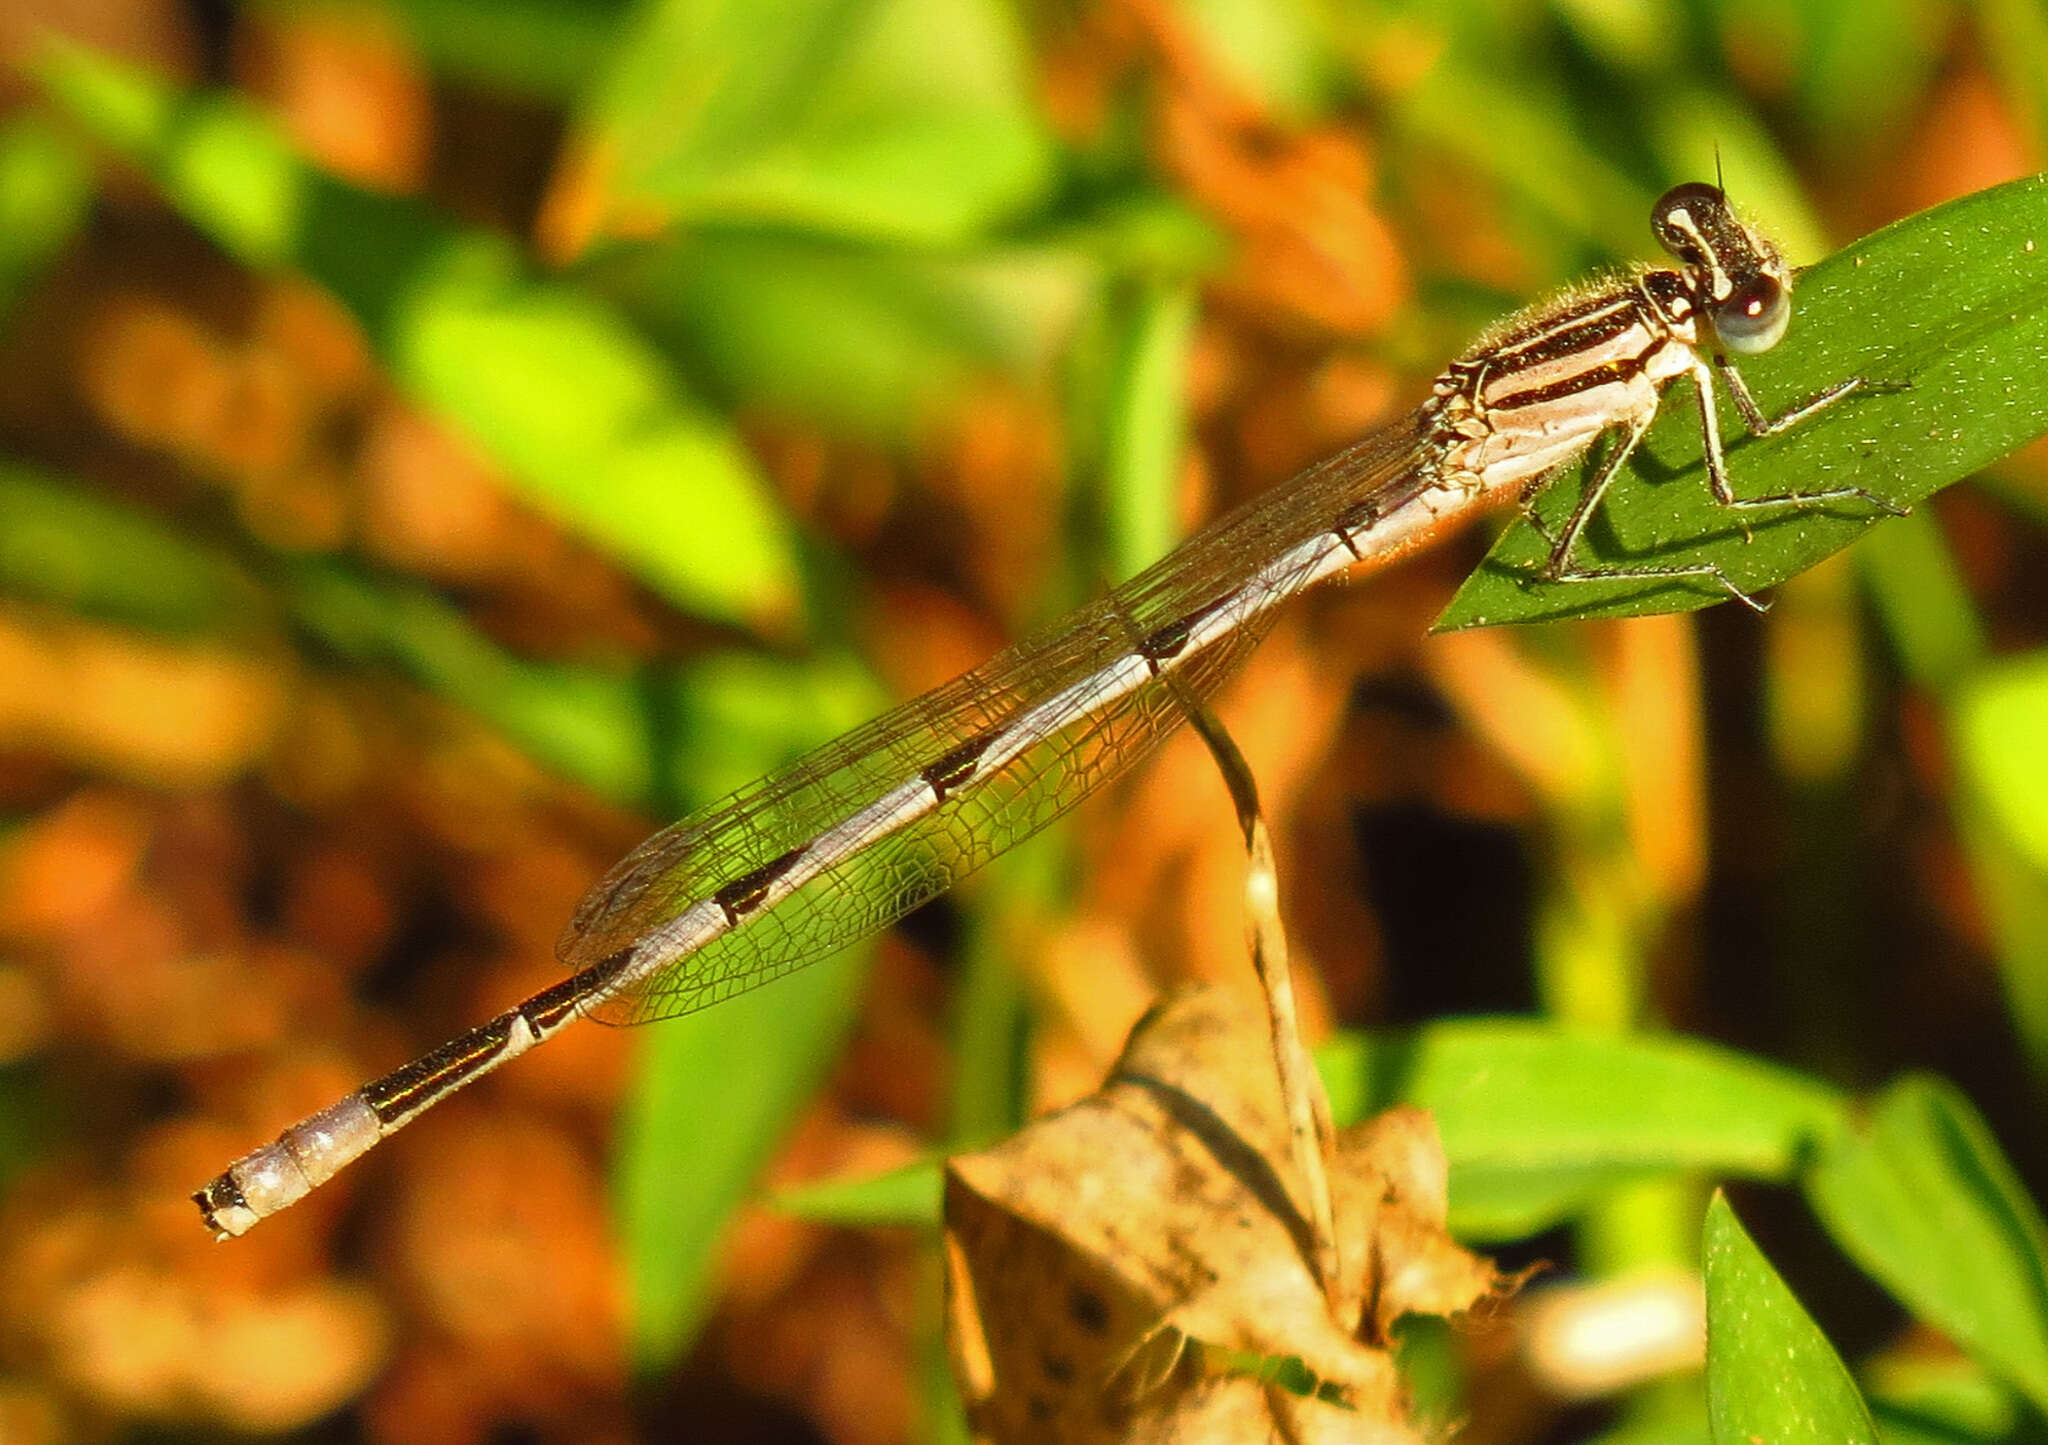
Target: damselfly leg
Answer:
pixel 1560 566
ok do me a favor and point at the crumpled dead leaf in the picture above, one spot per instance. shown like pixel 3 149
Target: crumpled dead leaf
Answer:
pixel 1114 1269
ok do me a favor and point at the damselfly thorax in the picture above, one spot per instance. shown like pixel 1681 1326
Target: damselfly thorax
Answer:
pixel 854 835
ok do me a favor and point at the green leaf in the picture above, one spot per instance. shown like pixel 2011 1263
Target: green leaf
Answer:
pixel 1863 69
pixel 1919 595
pixel 1923 1200
pixel 1538 1121
pixel 584 723
pixel 875 340
pixel 910 1196
pixel 713 1096
pixel 1923 1398
pixel 735 715
pixel 578 410
pixel 1953 301
pixel 1771 1374
pixel 546 49
pixel 2001 718
pixel 1148 427
pixel 62 545
pixel 904 119
pixel 45 193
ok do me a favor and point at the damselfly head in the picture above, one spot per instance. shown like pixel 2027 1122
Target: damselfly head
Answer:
pixel 1737 276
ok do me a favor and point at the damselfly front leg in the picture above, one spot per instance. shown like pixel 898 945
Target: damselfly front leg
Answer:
pixel 1762 426
pixel 1559 567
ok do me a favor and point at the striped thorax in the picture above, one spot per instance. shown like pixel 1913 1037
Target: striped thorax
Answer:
pixel 1535 392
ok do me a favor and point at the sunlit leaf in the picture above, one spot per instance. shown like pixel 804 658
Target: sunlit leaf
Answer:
pixel 1921 1197
pixel 1539 1120
pixel 1771 1374
pixel 821 114
pixel 879 341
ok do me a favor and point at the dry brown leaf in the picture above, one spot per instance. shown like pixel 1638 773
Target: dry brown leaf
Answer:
pixel 1101 1260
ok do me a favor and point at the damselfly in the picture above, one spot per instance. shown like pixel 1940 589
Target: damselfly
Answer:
pixel 846 840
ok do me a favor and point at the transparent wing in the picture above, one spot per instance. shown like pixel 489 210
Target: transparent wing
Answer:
pixel 692 859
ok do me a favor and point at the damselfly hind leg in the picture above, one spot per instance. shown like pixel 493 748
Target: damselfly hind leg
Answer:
pixel 1559 566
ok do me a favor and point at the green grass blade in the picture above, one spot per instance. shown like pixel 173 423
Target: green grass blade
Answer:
pixel 1771 1374
pixel 908 1196
pixel 1953 301
pixel 711 1100
pixel 2001 718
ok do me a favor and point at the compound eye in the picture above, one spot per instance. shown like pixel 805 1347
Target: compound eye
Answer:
pixel 1754 318
pixel 1683 215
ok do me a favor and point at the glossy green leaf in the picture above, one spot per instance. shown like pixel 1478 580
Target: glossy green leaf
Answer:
pixel 826 115
pixel 576 408
pixel 1539 1120
pixel 1771 1374
pixel 1920 1196
pixel 1953 302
